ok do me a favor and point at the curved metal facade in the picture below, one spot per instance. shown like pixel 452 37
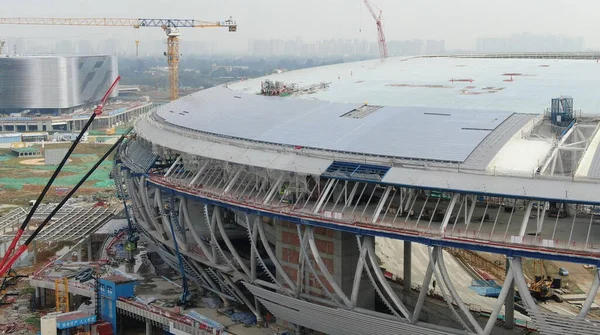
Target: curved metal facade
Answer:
pixel 47 82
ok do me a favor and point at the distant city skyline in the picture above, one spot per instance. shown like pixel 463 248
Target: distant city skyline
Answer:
pixel 459 23
pixel 524 42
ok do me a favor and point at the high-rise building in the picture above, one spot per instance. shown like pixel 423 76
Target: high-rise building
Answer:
pixel 435 47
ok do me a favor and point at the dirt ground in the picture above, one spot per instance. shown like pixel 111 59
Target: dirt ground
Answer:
pixel 14 168
pixel 18 317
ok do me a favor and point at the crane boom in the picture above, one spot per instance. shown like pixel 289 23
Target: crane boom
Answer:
pixel 380 36
pixel 117 22
pixel 170 26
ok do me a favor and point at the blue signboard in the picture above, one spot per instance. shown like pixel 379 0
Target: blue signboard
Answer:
pixel 88 320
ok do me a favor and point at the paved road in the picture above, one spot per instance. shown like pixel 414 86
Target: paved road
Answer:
pixel 391 254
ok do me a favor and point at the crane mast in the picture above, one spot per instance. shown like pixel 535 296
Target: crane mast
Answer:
pixel 380 36
pixel 170 26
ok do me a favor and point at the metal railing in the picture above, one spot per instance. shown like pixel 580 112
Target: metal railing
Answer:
pixel 401 225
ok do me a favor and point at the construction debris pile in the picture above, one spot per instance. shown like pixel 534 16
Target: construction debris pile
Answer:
pixel 17 318
pixel 281 89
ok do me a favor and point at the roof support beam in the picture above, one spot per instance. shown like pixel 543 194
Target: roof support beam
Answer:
pixel 381 204
pixel 526 219
pixel 173 166
pixel 448 213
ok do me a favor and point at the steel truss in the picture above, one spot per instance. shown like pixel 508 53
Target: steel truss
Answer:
pixel 209 251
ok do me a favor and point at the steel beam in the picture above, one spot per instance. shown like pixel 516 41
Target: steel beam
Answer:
pixel 448 213
pixel 370 242
pixel 303 251
pixel 273 190
pixel 508 282
pixel 253 236
pixel 212 225
pixel 381 204
pixel 232 250
pixel 324 195
pixel 233 180
pixel 443 292
pixel 424 288
pixel 523 229
pixel 517 269
pixel 273 257
pixel 212 258
pixel 454 293
pixel 358 274
pixel 407 279
pixel 323 268
pixel 591 296
pixel 509 303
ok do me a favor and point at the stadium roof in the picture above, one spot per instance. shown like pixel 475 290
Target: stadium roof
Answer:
pixel 517 85
pixel 446 117
pixel 437 134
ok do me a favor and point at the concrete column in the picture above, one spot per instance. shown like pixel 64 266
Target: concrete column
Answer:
pixel 34 252
pixel 79 250
pixel 42 297
pixel 37 298
pixel 89 249
pixel 148 328
pixel 407 265
pixel 509 303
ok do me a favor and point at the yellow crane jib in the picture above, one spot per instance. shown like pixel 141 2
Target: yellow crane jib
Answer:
pixel 170 26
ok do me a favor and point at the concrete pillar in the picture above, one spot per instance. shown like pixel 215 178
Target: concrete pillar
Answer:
pixel 42 297
pixel 148 328
pixel 407 265
pixel 37 298
pixel 339 253
pixel 34 252
pixel 79 250
pixel 509 303
pixel 89 249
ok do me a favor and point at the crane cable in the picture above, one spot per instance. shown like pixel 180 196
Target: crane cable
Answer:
pixel 7 265
pixel 97 111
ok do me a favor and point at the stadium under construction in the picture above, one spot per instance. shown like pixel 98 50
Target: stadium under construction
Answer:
pixel 358 198
pixel 274 192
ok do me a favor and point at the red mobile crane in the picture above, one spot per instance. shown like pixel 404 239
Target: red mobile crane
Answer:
pixel 380 36
pixel 11 255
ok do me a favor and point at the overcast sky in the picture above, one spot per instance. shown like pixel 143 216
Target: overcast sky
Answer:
pixel 459 22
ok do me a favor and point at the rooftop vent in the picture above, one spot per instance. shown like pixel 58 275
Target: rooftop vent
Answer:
pixel 361 112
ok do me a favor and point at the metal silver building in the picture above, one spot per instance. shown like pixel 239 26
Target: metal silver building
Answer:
pixel 54 84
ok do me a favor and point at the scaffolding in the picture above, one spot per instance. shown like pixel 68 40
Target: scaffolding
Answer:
pixel 61 287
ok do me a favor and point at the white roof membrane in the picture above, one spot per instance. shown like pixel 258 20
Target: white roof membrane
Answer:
pixel 439 134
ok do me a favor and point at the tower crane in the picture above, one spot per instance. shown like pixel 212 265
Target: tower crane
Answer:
pixel 380 36
pixel 170 26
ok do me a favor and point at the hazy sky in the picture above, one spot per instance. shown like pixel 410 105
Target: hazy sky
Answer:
pixel 459 22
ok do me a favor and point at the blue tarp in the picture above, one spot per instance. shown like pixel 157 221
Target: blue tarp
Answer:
pixel 486 288
pixel 246 318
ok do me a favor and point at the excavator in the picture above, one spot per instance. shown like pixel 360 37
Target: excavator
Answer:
pixel 541 287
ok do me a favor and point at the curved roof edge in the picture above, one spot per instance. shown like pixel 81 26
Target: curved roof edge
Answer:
pixel 516 187
pixel 579 191
pixel 230 153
